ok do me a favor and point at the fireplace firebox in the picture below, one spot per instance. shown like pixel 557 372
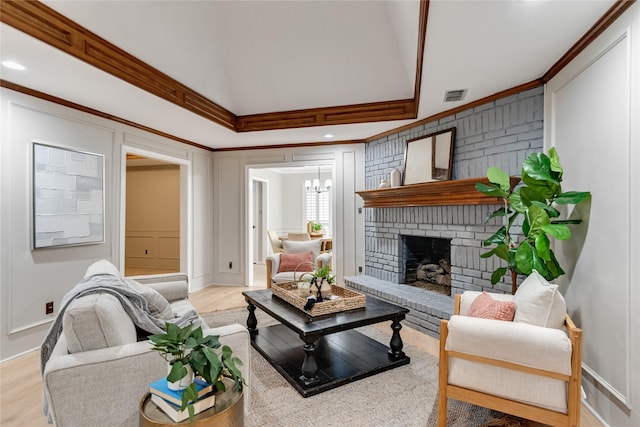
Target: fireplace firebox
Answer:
pixel 426 262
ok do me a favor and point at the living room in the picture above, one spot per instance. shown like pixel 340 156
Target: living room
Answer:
pixel 588 110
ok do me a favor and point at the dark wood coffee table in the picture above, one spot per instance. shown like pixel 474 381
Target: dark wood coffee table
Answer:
pixel 332 353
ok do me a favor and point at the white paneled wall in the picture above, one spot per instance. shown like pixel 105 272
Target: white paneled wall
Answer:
pixel 592 117
pixel 30 278
pixel 231 199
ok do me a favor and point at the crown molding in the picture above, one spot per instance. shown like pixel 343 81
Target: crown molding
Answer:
pixel 41 95
pixel 49 26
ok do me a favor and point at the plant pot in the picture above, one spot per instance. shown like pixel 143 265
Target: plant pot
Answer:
pixel 182 383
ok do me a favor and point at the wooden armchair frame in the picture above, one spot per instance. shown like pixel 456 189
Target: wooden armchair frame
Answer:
pixel 530 412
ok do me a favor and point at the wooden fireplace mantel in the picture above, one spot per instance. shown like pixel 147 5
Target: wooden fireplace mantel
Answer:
pixel 438 193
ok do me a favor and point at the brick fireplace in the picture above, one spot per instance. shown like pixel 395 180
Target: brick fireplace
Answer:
pixel 500 133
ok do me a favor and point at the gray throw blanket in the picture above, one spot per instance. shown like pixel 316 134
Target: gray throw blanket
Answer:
pixel 133 303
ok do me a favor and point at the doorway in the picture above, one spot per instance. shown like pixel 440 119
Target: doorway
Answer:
pixel 154 215
pixel 259 226
pixel 278 198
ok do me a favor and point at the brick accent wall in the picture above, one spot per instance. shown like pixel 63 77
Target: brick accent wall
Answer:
pixel 500 133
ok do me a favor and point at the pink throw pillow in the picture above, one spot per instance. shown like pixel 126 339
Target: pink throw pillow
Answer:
pixel 289 262
pixel 487 308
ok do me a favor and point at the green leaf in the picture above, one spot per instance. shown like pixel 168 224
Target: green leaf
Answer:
pixel 190 394
pixel 550 210
pixel 499 177
pixel 554 161
pixel 500 251
pixel 526 228
pixel 537 190
pixel 497 213
pixel 516 202
pixel 178 371
pixel 524 258
pixel 554 267
pixel 572 197
pixel 490 190
pixel 498 237
pixel 559 231
pixel 538 265
pixel 537 219
pixel 538 167
pixel 497 275
pixel 542 246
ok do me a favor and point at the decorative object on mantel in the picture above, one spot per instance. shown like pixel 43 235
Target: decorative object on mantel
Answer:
pixel 534 200
pixel 384 184
pixel 429 158
pixel 186 348
pixel 438 193
pixel 396 178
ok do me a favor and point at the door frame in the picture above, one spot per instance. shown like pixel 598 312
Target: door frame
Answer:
pixel 186 223
pixel 248 214
pixel 261 225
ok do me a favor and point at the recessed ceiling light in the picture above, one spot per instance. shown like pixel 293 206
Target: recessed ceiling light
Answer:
pixel 328 135
pixel 13 65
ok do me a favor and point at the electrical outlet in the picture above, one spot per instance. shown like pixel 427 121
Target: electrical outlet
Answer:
pixel 48 308
pixel 230 264
pixel 359 269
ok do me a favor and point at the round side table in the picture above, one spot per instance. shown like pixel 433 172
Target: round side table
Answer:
pixel 228 412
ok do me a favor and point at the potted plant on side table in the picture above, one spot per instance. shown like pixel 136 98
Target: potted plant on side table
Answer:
pixel 188 349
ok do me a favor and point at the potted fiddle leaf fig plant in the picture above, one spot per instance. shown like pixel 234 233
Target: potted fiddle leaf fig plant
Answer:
pixel 535 201
pixel 188 349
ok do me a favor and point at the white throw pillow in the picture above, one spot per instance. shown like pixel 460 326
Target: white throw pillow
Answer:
pixel 102 267
pixel 539 303
pixel 296 247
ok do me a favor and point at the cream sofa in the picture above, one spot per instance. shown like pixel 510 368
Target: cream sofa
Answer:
pixel 103 386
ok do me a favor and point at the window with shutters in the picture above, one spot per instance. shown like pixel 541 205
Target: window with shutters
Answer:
pixel 318 208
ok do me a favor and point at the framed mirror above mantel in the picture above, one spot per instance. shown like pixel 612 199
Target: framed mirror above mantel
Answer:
pixel 437 193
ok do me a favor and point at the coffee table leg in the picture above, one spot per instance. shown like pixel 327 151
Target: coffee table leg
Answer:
pixel 309 365
pixel 252 322
pixel 395 351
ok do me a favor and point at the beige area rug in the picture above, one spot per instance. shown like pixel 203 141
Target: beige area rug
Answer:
pixel 402 397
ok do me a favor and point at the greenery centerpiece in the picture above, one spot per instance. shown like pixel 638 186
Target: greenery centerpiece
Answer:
pixel 535 201
pixel 316 279
pixel 188 348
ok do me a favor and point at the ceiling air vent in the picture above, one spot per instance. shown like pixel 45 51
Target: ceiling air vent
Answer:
pixel 454 95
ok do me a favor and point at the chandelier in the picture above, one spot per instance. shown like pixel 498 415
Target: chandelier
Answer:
pixel 315 184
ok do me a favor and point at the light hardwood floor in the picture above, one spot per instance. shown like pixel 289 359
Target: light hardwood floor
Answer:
pixel 20 383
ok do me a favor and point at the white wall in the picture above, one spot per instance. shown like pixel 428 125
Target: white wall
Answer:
pixel 30 278
pixel 592 117
pixel 230 198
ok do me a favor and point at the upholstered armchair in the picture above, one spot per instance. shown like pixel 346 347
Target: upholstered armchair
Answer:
pixel 281 266
pixel 529 367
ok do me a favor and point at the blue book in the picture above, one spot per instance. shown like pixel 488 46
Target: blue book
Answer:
pixel 160 388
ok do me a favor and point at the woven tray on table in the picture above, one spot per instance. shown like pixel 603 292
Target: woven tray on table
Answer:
pixel 346 299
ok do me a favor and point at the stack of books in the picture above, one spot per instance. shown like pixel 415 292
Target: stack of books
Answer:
pixel 170 401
